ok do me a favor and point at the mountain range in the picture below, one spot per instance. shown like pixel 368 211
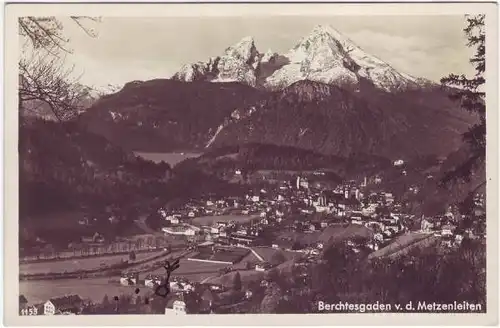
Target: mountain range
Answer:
pixel 326 95
pixel 325 55
pixel 325 104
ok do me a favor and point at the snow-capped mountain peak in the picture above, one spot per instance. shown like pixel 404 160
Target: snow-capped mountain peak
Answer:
pixel 269 56
pixel 319 40
pixel 238 64
pixel 327 56
pixel 244 44
pixel 244 49
pixel 324 55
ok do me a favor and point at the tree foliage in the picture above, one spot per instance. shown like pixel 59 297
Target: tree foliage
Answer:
pixel 433 274
pixel 278 258
pixel 132 256
pixel 469 92
pixel 237 282
pixel 271 299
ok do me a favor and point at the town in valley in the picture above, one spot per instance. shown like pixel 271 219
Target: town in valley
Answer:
pixel 315 174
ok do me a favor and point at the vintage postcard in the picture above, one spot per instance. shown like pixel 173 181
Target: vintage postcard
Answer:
pixel 246 164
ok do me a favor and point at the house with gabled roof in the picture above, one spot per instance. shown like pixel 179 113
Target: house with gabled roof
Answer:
pixel 63 305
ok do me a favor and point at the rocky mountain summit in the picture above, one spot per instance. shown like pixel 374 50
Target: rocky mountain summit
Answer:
pixel 238 64
pixel 325 55
pixel 325 95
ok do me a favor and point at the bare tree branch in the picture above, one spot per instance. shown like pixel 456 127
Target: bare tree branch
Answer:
pixel 43 80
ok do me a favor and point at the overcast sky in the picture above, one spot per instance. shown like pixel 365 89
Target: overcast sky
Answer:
pixel 129 49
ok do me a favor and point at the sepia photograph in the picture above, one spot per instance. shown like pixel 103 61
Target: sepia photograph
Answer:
pixel 324 163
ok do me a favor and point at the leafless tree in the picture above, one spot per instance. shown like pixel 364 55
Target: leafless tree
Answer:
pixel 43 78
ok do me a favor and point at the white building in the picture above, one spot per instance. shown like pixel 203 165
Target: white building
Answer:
pixel 150 282
pixel 262 267
pixel 178 307
pixel 398 162
pixel 378 237
pixel 304 184
pixel 447 230
pixel 63 305
pixel 49 308
pixel 186 230
pixel 180 286
pixel 425 225
pixel 321 209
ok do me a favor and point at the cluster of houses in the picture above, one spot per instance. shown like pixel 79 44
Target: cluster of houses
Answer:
pixel 272 207
pixel 447 226
pixel 204 299
pixel 151 281
pixel 186 297
pixel 300 204
pixel 64 305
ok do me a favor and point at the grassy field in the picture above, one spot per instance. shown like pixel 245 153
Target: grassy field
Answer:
pixel 247 276
pixel 209 220
pixel 70 265
pixel 193 270
pixel 242 264
pixel 267 253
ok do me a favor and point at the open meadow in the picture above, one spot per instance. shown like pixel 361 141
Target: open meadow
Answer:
pixel 267 253
pixel 192 270
pixel 247 276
